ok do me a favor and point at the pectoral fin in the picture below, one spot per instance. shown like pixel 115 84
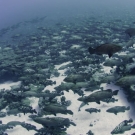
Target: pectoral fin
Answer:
pixel 98 102
pixel 110 54
pixel 54 114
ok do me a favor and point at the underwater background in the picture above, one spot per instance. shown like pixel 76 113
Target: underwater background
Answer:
pixel 67 67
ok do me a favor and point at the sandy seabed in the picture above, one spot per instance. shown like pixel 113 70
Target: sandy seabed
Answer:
pixel 103 122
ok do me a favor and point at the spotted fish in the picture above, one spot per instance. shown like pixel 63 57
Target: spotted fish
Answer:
pixel 91 110
pixel 118 129
pixel 117 109
pixel 98 96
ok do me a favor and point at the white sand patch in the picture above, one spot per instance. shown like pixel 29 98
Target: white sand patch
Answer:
pixel 7 85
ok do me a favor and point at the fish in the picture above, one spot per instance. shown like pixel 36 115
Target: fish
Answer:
pixel 28 126
pixel 51 95
pixel 129 43
pixel 118 109
pixel 126 81
pixel 2 114
pixel 54 122
pixel 112 62
pixel 54 108
pixel 125 128
pixel 107 48
pixel 98 96
pixel 91 110
pixel 118 129
pixel 74 78
pixel 128 58
pixel 13 112
pixel 26 109
pixel 130 68
pixel 14 123
pixel 64 86
pixel 130 32
pixel 109 78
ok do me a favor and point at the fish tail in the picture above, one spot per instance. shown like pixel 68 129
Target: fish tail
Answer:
pixel 70 112
pixel 133 126
pixel 73 123
pixel 115 92
pixel 130 120
pixel 91 50
pixel 128 108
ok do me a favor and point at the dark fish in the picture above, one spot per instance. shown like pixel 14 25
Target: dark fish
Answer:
pixel 98 96
pixel 109 49
pixel 118 109
pixel 130 32
pixel 91 110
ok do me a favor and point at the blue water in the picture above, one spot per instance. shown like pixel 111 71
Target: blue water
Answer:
pixel 18 11
pixel 21 13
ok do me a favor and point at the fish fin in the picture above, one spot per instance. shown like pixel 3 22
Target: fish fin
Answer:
pixel 91 50
pixel 128 108
pixel 86 103
pixel 73 123
pixel 54 114
pixel 74 81
pixel 115 113
pixel 110 55
pixel 115 92
pixel 98 102
pixel 130 35
pixel 69 111
pixel 102 88
pixel 34 111
pixel 99 110
pixel 130 120
pixel 133 126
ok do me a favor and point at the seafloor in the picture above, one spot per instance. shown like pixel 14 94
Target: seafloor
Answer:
pixel 45 67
